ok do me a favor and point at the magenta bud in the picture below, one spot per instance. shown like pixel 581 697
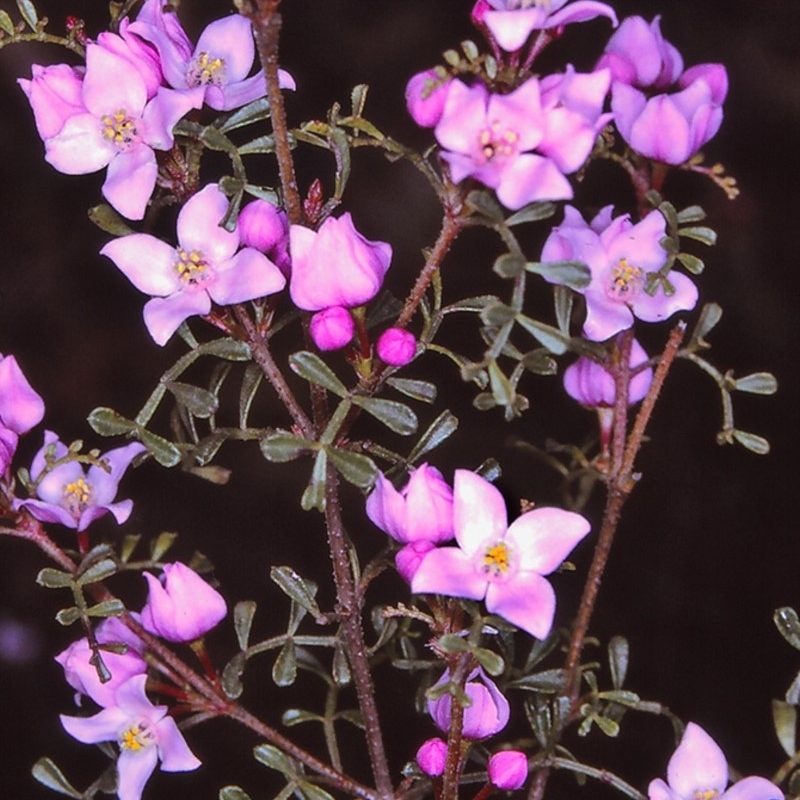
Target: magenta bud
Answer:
pixel 508 769
pixel 432 757
pixel 396 347
pixel 184 608
pixel 262 226
pixel 425 95
pixel 332 328
pixel 55 94
pixel 408 559
pixel 21 408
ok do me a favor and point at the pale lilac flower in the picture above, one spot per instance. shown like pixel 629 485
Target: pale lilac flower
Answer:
pixel 432 757
pixel 182 607
pixel 425 95
pixel 335 265
pixel 144 733
pixel 698 770
pixel 82 675
pixel 511 22
pixel 592 385
pixel 487 713
pixel 207 265
pixel 492 137
pixel 118 128
pixel 55 94
pixel 508 770
pixel 396 347
pixel 500 563
pixel 219 64
pixel 621 257
pixel 73 497
pixel 21 408
pixel 332 328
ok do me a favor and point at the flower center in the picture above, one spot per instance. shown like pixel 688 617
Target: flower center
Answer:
pixel 705 794
pixel 497 142
pixel 203 69
pixel 119 129
pixel 624 281
pixel 77 496
pixel 192 268
pixel 138 736
pixel 496 561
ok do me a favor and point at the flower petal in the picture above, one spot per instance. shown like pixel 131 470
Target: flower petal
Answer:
pixel 173 750
pixel 449 571
pixel 102 727
pixel 163 315
pixel 111 85
pixel 479 511
pixel 199 225
pixel 526 600
pixel 133 770
pixel 246 276
pixel 754 788
pixel 147 262
pixel 662 305
pixel 544 537
pixel 21 408
pixel 130 180
pixel 698 764
pixel 79 148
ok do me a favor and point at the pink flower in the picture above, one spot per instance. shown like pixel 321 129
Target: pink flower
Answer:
pixel 508 770
pixel 207 265
pixel 55 94
pixel 82 675
pixel 144 733
pixel 425 95
pixel 336 265
pixel 396 347
pixel 621 257
pixel 432 757
pixel 74 498
pixel 184 608
pixel 332 328
pixel 119 128
pixel 698 769
pixel 500 563
pixel 219 64
pixel 487 713
pixel 21 408
pixel 511 22
pixel 492 138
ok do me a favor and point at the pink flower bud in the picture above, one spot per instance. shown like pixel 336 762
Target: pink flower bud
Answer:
pixel 21 408
pixel 55 94
pixel 408 559
pixel 332 328
pixel 396 347
pixel 432 757
pixel 336 265
pixel 263 226
pixel 508 769
pixel 184 608
pixel 425 96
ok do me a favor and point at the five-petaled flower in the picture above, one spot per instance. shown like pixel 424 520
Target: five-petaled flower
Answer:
pixel 207 265
pixel 698 770
pixel 501 563
pixel 144 733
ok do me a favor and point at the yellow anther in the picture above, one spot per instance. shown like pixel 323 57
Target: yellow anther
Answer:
pixel 192 268
pixel 119 128
pixel 205 69
pixel 496 141
pixel 705 794
pixel 497 559
pixel 78 493
pixel 625 281
pixel 137 737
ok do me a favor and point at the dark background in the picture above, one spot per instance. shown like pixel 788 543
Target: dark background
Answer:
pixel 708 547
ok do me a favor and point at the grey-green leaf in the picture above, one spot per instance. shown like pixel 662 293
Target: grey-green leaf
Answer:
pixel 311 367
pixel 107 608
pixel 109 220
pixel 161 544
pixel 233 793
pixel 227 348
pixel 533 212
pixel 28 11
pixel 788 623
pixel 314 494
pixel 107 422
pixel 298 589
pixel 48 774
pixel 97 572
pixel 273 758
pixel 784 717
pixel 253 112
pixel 166 453
pixel 282 446
pixel 574 274
pixel 355 468
pixel 700 233
pixel 489 660
pixel 53 578
pixel 396 416
pixel 198 402
pixel 758 383
pixel 709 317
pixel 552 338
pixel 486 205
pixel 232 676
pixel 424 391
pixel 752 441
pixel 618 657
pixel 311 791
pixel 440 429
pixel 694 264
pixel 6 23
pixel 243 613
pixel 284 670
pixel 68 616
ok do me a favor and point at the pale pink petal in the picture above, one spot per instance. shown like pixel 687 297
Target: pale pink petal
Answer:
pixel 163 315
pixel 231 39
pixel 569 140
pixel 246 276
pixel 47 512
pixel 120 511
pixel 520 112
pixel 111 84
pixel 658 790
pixel 479 512
pixel 79 147
pixel 511 29
pixel 532 177
pixel 105 483
pixel 754 788
pixel 132 699
pixel 173 750
pixel 386 507
pixel 662 305
pixel 21 408
pixel 164 111
pixel 147 262
pixel 51 487
pixel 463 117
pixel 130 180
pixel 661 131
pixel 526 600
pixel 448 571
pixel 605 317
pixel 581 11
pixel 698 764
pixel 544 537
pixel 199 228
pixel 102 727
pixel 133 770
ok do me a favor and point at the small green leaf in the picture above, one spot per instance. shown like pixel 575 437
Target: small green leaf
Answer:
pixel 314 494
pixel 609 726
pixel 297 589
pixel 549 681
pixel 563 300
pixel 694 264
pixel 6 24
pixel 229 349
pixel 618 657
pixel 107 422
pixel 574 274
pixel 486 205
pixel 166 453
pixel 423 391
pixel 497 314
pixel 757 383
pixel 284 670
pixel 622 697
pixel 355 468
pixel 232 676
pixel 691 214
pixel 358 99
pixel 784 717
pixel 452 643
pixel 261 144
pixel 97 572
pixel 282 446
pixel 161 544
pixel 396 416
pixel 788 623
pixel 262 193
pixel 107 608
pixel 233 793
pixel 251 380
pixel 470 49
pixel 539 362
pixel 452 57
pixel 26 8
pixel 440 429
pixel 296 716
pixel 509 265
pixel 243 613
pixel 311 367
pixel 273 758
pixel 129 543
pixel 109 220
pixel 709 317
pixel 533 212
pixel 793 692
pixel 68 616
pixel 489 660
pixel 340 668
pixel 752 441
pixel 253 112
pixel 700 234
pixel 548 336
pixel 198 402
pixel 53 578
pixel 48 774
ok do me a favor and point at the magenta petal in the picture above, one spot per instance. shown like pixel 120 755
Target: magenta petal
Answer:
pixel 697 764
pixel 544 537
pixel 163 315
pixel 130 180
pixel 246 276
pixel 147 262
pixel 51 487
pixel 479 512
pixel 386 507
pixel 236 95
pixel 532 177
pixel 231 39
pixel 21 408
pixel 463 117
pixel 662 305
pixel 199 225
pixel 526 600
pixel 754 788
pixel 581 11
pixel 79 149
pixel 47 512
pixel 173 750
pixel 133 771
pixel 449 571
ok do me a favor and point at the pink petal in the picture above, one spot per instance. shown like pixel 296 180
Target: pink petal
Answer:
pixel 532 177
pixel 163 315
pixel 104 483
pixel 521 112
pixel 246 276
pixel 175 753
pixel 449 571
pixel 661 132
pixel 658 790
pixel 526 600
pixel 231 39
pixel 753 788
pixel 698 764
pixel 21 408
pixel 102 727
pixel 111 85
pixel 661 305
pixel 544 537
pixel 199 228
pixel 581 11
pixel 164 111
pixel 79 148
pixel 463 118
pixel 511 29
pixel 479 512
pixel 130 180
pixel 133 770
pixel 147 262
pixel 604 317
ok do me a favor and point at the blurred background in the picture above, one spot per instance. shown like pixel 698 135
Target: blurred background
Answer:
pixel 708 547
